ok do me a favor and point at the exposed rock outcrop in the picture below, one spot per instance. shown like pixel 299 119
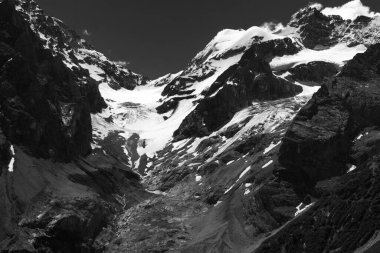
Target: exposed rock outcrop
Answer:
pixel 317 145
pixel 331 151
pixel 313 72
pixel 44 105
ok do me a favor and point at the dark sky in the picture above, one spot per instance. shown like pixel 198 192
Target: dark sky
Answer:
pixel 161 36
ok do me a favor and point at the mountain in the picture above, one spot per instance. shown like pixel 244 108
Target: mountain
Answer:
pixel 268 141
pixel 55 193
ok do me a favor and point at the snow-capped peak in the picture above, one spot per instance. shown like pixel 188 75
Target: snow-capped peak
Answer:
pixel 229 40
pixel 350 10
pixel 76 52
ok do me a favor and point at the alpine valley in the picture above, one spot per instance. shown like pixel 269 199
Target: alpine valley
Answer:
pixel 268 141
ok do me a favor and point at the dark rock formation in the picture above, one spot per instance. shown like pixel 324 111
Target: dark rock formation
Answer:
pixel 64 41
pixel 44 105
pixel 316 146
pixel 331 151
pixel 62 207
pixel 345 219
pixel 5 153
pixel 315 28
pixel 318 31
pixel 364 66
pixel 313 71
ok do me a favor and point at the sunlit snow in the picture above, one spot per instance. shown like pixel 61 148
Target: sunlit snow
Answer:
pixel 338 54
pixel 352 168
pixel 350 10
pixel 302 208
pixel 12 161
pixel 267 164
pixel 245 172
pixel 271 146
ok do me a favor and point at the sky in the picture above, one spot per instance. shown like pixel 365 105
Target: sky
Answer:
pixel 156 37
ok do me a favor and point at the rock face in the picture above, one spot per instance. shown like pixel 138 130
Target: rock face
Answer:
pixel 351 205
pixel 44 105
pixel 317 145
pixel 76 53
pixel 334 134
pixel 57 207
pixel 317 30
pixel 313 71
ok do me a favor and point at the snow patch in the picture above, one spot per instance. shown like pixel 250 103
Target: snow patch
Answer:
pixel 218 203
pixel 351 168
pixel 267 164
pixel 229 189
pixel 134 112
pixel 158 192
pixel 350 10
pixel 307 91
pixel 230 162
pixel 271 146
pixel 198 178
pixel 230 39
pixel 337 54
pixel 245 172
pixel 12 161
pixel 302 208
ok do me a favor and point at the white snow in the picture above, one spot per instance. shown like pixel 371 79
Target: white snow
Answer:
pixel 245 172
pixel 317 6
pixel 267 164
pixel 140 117
pixel 218 203
pixel 230 162
pixel 220 66
pixel 350 10
pixel 262 118
pixel 271 146
pixel 198 178
pixel 179 144
pixel 247 191
pixel 230 39
pixel 158 192
pixel 302 208
pixel 12 161
pixel 195 144
pixel 352 168
pixel 359 137
pixel 338 54
pixel 229 189
pixel 165 79
pixel 95 71
pixel 307 91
